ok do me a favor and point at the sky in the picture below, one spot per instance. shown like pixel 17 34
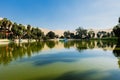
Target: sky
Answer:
pixel 62 14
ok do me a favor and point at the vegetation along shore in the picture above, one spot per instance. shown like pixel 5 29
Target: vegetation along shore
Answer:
pixel 11 31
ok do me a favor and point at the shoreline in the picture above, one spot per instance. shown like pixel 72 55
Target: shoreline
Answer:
pixel 7 41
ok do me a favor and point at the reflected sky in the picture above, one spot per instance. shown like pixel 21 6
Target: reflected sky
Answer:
pixel 75 60
pixel 66 56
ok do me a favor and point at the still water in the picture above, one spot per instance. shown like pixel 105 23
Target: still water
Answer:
pixel 73 60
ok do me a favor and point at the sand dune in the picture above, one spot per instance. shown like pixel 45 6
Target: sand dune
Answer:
pixel 61 32
pixel 57 32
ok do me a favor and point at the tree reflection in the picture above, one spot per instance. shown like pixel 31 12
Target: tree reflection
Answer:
pixel 81 45
pixel 69 44
pixel 91 44
pixel 116 52
pixel 15 51
pixel 50 44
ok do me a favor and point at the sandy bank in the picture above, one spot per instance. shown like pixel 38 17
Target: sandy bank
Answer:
pixel 7 41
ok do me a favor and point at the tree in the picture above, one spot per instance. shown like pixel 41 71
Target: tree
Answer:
pixel 104 34
pixel 72 35
pixel 98 35
pixel 14 29
pixel 28 32
pixel 91 34
pixel 9 24
pixel 112 34
pixel 50 35
pixel 67 34
pixel 37 34
pixel 101 34
pixel 18 30
pixel 108 34
pixel 21 31
pixel 116 29
pixel 40 34
pixel 0 23
pixel 5 25
pixel 81 33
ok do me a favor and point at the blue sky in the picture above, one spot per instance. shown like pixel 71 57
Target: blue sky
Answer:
pixel 62 14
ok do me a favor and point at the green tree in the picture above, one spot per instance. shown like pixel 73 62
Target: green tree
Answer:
pixel 116 29
pixel 40 34
pixel 28 32
pixel 91 34
pixel 108 34
pixel 72 35
pixel 81 33
pixel 0 23
pixel 5 25
pixel 37 33
pixel 14 30
pixel 50 35
pixel 112 34
pixel 98 34
pixel 67 34
pixel 21 31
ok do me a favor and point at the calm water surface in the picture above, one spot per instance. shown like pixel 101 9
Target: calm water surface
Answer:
pixel 73 60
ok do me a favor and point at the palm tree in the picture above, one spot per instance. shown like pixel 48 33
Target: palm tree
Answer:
pixel 33 33
pixel 14 29
pixel 5 24
pixel 28 32
pixel 0 23
pixel 21 31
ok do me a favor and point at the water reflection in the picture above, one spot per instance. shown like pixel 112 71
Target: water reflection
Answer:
pixel 14 51
pixel 116 52
pixel 51 44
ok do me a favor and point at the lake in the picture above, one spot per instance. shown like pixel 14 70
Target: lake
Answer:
pixel 72 60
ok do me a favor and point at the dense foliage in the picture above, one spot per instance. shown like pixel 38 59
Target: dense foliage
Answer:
pixel 17 31
pixel 10 30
